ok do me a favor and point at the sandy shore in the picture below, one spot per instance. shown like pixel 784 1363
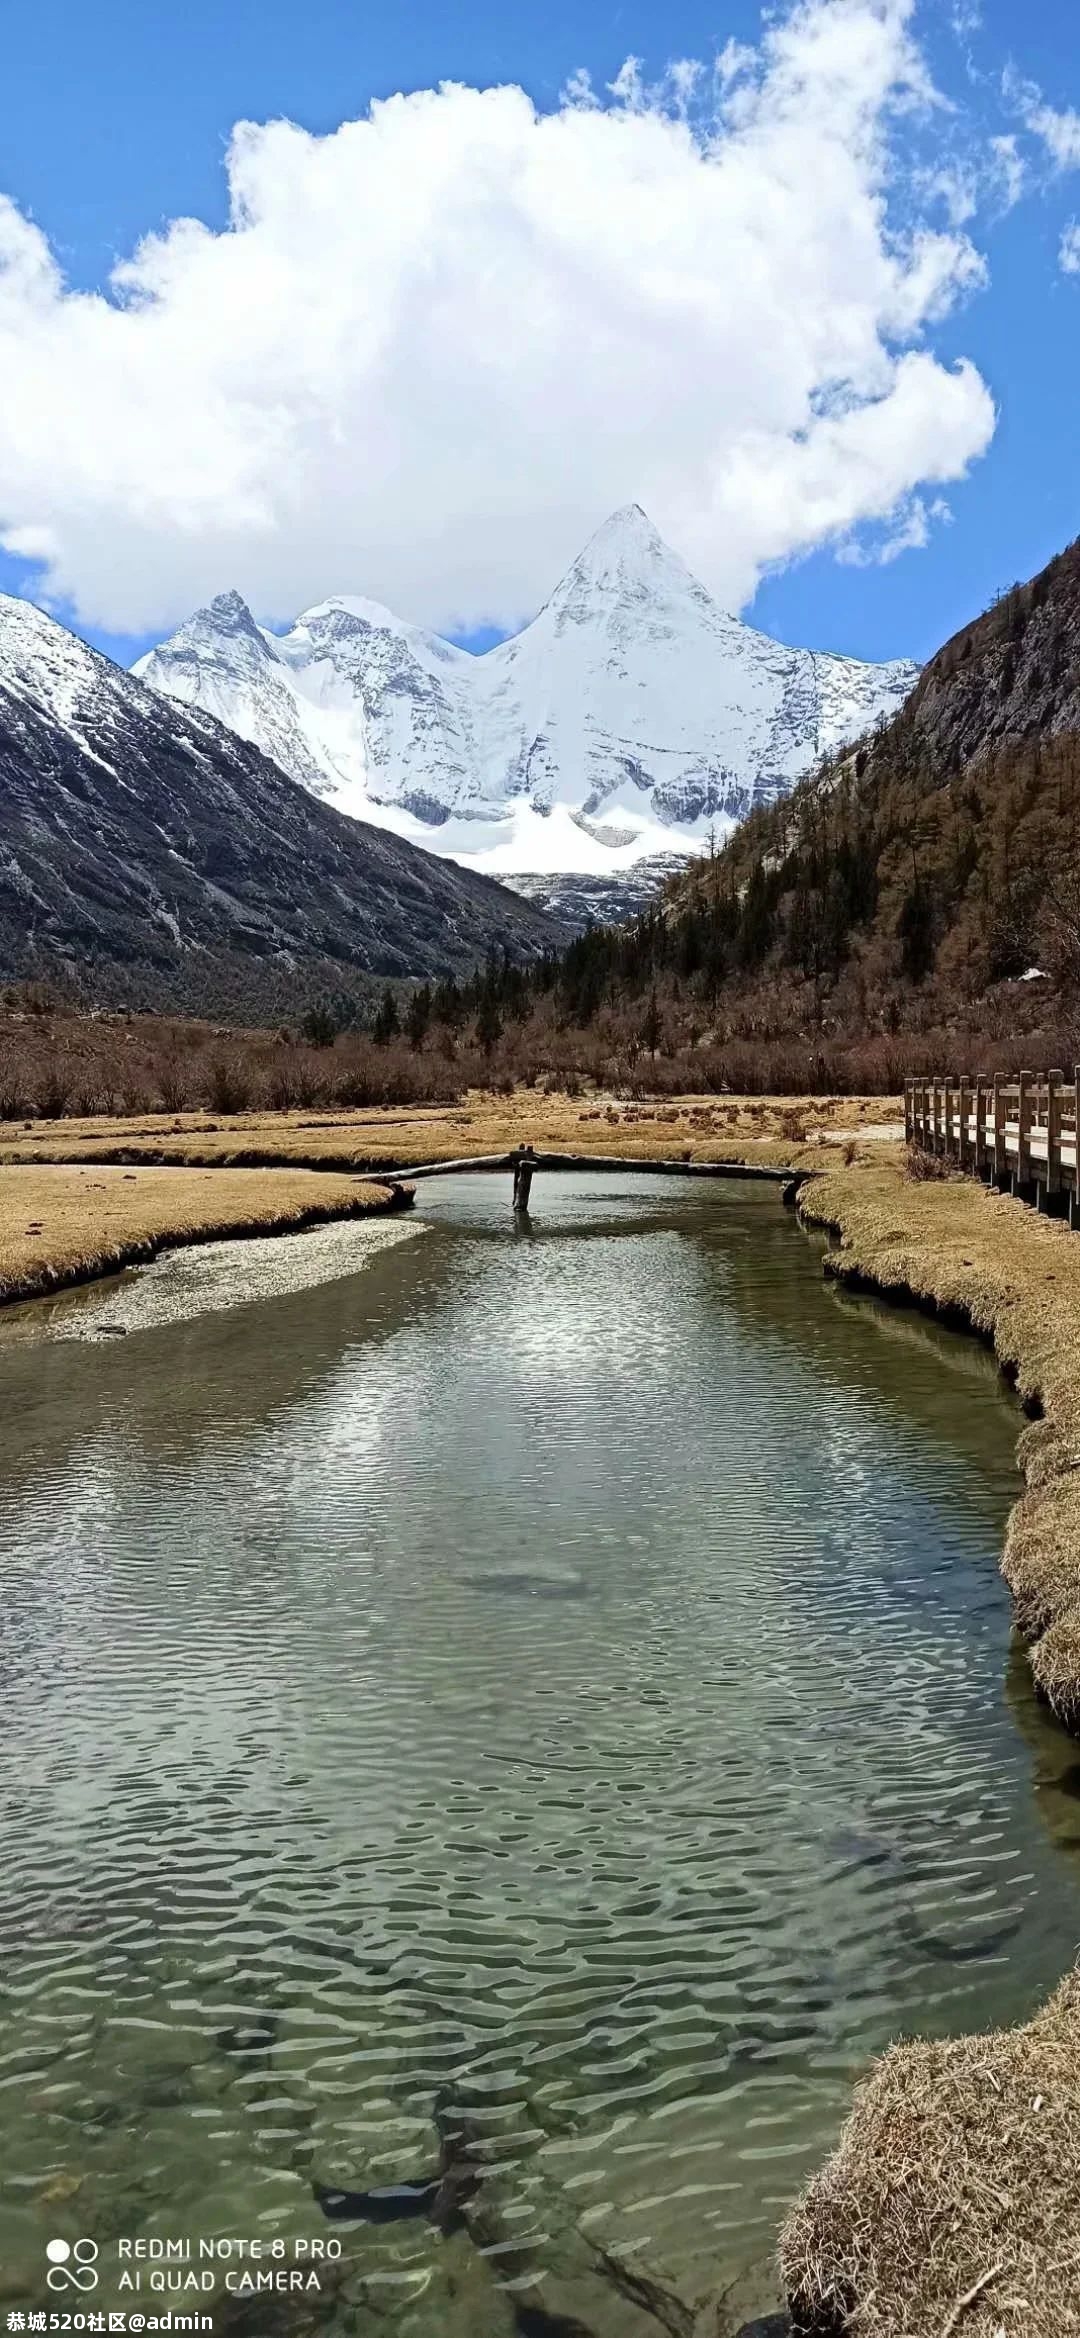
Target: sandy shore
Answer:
pixel 60 1226
pixel 952 2203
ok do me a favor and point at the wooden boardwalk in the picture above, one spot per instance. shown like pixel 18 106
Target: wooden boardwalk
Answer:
pixel 1021 1134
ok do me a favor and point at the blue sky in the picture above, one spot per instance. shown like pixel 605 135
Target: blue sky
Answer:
pixel 115 121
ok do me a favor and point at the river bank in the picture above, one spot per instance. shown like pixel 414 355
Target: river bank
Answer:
pixel 952 2202
pixel 62 1225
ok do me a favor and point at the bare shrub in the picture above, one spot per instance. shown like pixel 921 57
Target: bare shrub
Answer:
pixel 53 1093
pixel 174 1085
pixel 228 1086
pixel 13 1103
pixel 281 1087
pixel 926 1168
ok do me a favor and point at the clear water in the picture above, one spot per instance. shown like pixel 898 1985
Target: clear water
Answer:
pixel 553 1679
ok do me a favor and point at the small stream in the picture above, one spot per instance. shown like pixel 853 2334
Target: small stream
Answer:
pixel 546 1684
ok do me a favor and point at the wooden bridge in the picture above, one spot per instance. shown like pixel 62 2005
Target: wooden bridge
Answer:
pixel 1020 1134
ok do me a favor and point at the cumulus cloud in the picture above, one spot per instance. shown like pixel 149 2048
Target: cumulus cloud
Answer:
pixel 433 348
pixel 1069 248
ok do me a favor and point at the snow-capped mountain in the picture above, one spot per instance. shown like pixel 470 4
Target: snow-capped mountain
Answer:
pixel 156 858
pixel 631 717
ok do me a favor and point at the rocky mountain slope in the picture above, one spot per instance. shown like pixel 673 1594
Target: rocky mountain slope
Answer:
pixel 582 901
pixel 944 850
pixel 1012 674
pixel 629 719
pixel 165 862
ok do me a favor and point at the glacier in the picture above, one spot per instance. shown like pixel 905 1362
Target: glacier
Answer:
pixel 632 718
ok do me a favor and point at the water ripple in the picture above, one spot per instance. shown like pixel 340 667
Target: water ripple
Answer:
pixel 557 1673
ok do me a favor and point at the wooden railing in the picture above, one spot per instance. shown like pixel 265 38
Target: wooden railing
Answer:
pixel 1021 1132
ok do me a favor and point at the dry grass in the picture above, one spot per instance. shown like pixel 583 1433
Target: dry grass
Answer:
pixel 953 2201
pixel 701 1128
pixel 60 1226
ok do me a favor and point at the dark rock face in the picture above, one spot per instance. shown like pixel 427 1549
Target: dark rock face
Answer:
pixel 164 862
pixel 578 902
pixel 1011 675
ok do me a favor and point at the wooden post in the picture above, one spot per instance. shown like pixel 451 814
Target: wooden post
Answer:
pixel 980 1120
pixel 1023 1139
pixel 909 1110
pixel 1074 1209
pixel 962 1092
pixel 1055 1082
pixel 999 1126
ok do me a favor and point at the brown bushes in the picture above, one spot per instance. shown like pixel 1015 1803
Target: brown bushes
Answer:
pixel 926 1168
pixel 59 1065
pixel 766 1040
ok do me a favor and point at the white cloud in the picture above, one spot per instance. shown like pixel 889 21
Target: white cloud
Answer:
pixel 955 187
pixel 434 347
pixel 1069 248
pixel 1008 168
pixel 908 530
pixel 1058 128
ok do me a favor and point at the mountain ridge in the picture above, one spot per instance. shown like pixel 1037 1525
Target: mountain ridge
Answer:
pixel 630 717
pixel 156 857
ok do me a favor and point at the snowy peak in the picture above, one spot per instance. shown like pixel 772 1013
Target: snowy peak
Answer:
pixel 51 671
pixel 230 610
pixel 634 716
pixel 626 565
pixel 147 850
pixel 625 552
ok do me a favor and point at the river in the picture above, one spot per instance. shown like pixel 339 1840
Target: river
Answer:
pixel 548 1682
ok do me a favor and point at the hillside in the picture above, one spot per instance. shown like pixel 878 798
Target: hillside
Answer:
pixel 912 906
pixel 628 719
pixel 151 856
pixel 945 850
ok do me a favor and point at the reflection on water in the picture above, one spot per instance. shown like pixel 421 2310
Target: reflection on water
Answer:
pixel 545 1688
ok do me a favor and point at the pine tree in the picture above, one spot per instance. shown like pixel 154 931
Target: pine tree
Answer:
pixel 387 1022
pixel 418 1016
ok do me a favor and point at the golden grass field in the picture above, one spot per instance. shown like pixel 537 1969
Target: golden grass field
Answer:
pixel 702 1128
pixel 64 1225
